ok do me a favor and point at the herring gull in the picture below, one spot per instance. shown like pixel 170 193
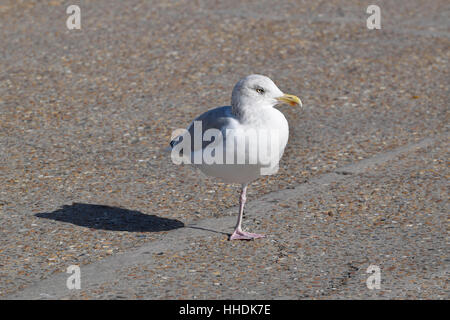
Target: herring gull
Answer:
pixel 241 142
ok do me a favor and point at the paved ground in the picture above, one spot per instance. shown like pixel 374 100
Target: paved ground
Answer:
pixel 85 117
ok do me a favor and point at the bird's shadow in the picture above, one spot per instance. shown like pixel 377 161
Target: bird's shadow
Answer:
pixel 110 218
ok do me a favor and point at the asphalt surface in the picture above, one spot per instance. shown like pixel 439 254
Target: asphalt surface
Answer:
pixel 86 115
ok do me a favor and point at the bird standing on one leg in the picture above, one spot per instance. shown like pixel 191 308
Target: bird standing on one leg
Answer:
pixel 241 142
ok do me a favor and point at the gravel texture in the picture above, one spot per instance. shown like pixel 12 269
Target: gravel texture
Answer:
pixel 86 115
pixel 315 249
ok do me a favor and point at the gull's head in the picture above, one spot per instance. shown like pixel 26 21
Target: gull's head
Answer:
pixel 260 91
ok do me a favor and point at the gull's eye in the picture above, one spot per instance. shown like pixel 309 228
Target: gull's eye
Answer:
pixel 260 90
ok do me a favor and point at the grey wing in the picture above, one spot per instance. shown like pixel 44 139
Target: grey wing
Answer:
pixel 219 118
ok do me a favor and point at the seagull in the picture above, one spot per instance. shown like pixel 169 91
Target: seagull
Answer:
pixel 228 142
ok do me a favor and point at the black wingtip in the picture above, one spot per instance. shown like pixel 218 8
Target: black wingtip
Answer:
pixel 175 141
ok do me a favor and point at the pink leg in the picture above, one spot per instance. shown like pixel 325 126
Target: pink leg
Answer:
pixel 238 234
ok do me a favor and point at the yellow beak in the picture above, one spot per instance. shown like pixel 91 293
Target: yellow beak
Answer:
pixel 290 99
